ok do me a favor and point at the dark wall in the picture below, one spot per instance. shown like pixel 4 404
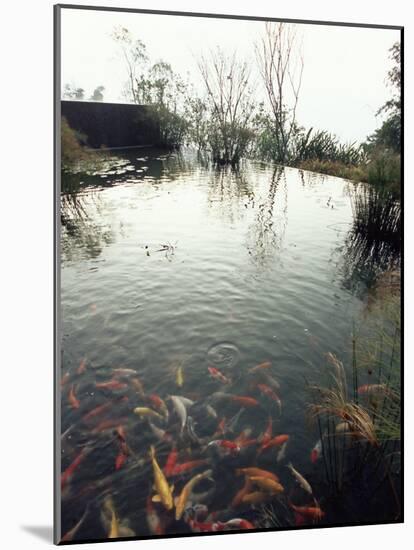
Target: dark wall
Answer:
pixel 111 124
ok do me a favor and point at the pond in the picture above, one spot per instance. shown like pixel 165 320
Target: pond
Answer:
pixel 170 269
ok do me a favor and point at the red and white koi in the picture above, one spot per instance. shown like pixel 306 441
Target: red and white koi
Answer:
pixel 316 452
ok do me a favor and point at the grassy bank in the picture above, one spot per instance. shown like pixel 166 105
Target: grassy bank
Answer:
pixel 382 170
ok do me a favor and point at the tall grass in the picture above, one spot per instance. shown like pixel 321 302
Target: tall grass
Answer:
pixel 359 421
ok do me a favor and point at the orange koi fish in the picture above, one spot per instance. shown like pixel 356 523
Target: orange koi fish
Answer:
pixel 68 473
pixel 171 462
pixel 217 375
pixel 64 379
pixel 262 366
pixel 309 512
pixel 238 498
pixel 100 409
pixel 244 401
pixel 187 466
pixel 73 400
pixel 111 385
pixel 275 442
pixel 82 366
pixel 267 436
pixel 257 472
pixel 109 424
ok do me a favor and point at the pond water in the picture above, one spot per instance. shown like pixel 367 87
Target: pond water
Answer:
pixel 170 267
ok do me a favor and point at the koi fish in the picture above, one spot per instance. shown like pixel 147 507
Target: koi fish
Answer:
pixel 171 462
pixel 267 484
pixel 282 453
pixel 262 366
pixel 111 385
pixel 221 427
pixel 239 523
pixel 205 527
pixel 113 524
pixel 256 497
pixel 372 389
pixel 109 424
pixel 238 498
pixel 159 433
pixel 73 400
pixel 311 512
pixel 153 519
pixel 275 442
pixel 257 472
pixel 82 366
pixel 244 401
pixel 137 385
pixel 185 493
pixel 100 409
pixel 69 535
pixel 64 379
pixel 121 371
pixel 146 411
pixel 164 491
pixel 225 444
pixel 316 452
pixel 159 404
pixel 121 458
pixel 268 392
pixel 343 428
pixel 217 375
pixel 179 379
pixel 178 469
pixel 267 436
pixel 180 410
pixel 300 479
pixel 70 470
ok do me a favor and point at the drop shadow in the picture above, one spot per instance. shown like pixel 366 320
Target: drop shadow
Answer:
pixel 43 532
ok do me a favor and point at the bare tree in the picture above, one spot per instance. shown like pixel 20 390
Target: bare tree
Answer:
pixel 134 54
pixel 280 62
pixel 230 104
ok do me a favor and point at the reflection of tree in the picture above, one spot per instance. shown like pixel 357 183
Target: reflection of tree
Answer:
pixel 79 230
pixel 266 234
pixel 230 192
pixel 373 244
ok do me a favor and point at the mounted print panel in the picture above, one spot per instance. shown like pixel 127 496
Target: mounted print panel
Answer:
pixel 228 290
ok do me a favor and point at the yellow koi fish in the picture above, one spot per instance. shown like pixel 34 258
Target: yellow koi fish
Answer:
pixel 146 411
pixel 179 377
pixel 269 485
pixel 164 492
pixel 185 493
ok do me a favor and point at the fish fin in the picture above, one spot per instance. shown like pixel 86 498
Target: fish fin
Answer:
pixel 152 452
pixel 172 488
pixel 156 498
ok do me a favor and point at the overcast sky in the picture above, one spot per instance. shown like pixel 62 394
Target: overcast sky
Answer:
pixel 344 79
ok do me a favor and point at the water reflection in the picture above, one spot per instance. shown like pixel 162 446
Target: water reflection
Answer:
pixel 265 234
pixel 373 244
pixel 230 193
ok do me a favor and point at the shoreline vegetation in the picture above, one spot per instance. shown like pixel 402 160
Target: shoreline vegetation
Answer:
pixel 226 122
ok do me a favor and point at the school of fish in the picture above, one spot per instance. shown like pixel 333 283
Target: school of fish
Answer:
pixel 207 463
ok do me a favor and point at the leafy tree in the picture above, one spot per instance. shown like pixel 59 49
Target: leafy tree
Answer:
pixel 98 94
pixel 71 92
pixel 388 135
